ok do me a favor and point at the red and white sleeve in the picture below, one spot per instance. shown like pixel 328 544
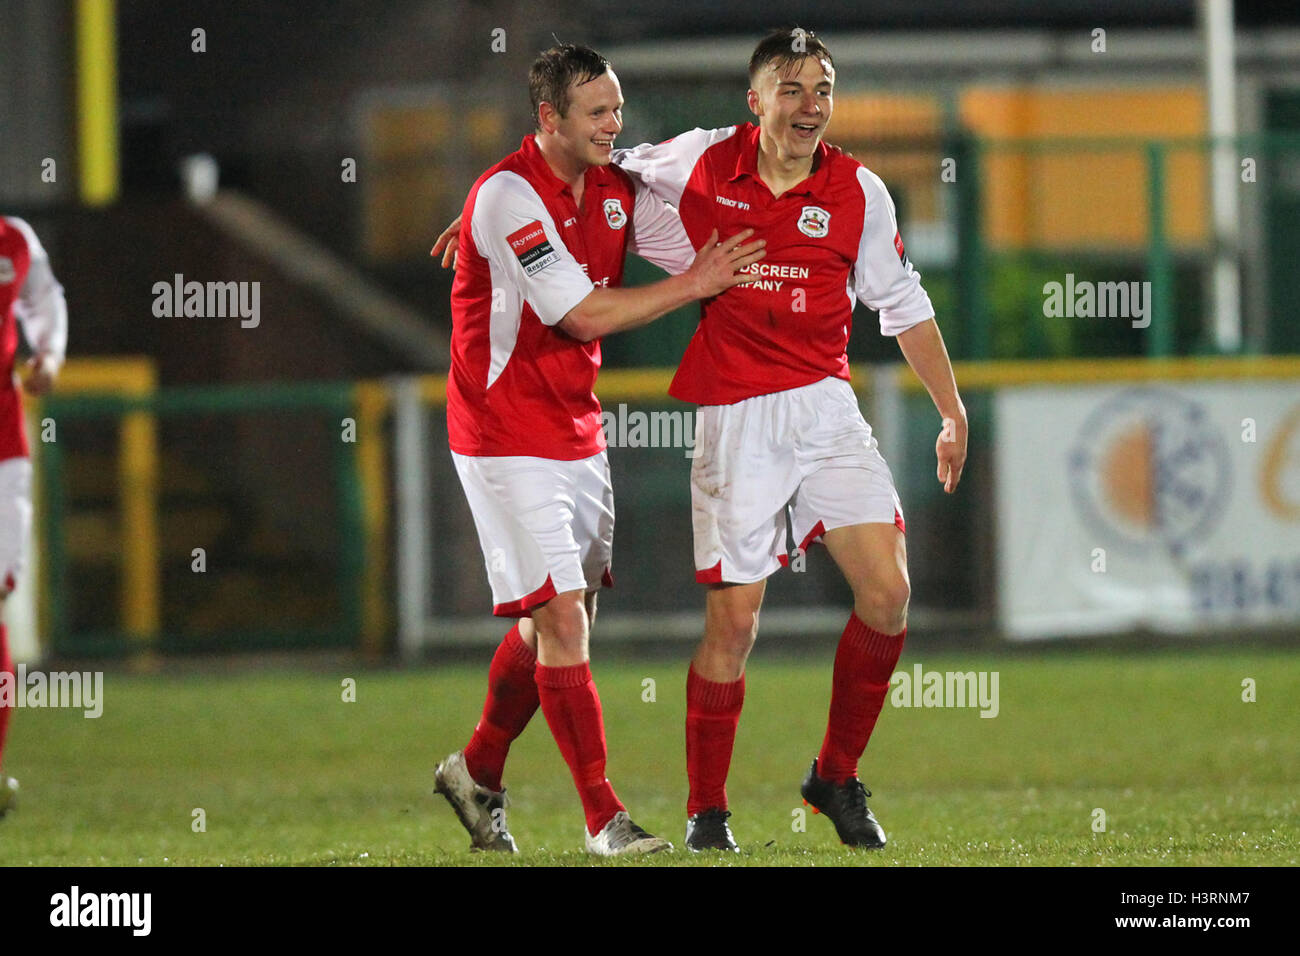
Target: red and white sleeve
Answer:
pixel 883 276
pixel 41 307
pixel 658 235
pixel 666 167
pixel 513 230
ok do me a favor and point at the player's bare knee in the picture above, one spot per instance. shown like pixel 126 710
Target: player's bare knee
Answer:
pixel 569 629
pixel 561 648
pixel 731 631
pixel 561 625
pixel 737 645
pixel 883 605
pixel 897 596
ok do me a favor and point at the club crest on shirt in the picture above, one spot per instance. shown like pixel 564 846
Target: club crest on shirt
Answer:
pixel 814 221
pixel 614 214
pixel 7 271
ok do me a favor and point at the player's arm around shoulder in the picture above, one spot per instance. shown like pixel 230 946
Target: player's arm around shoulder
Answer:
pixel 658 235
pixel 448 242
pixel 665 168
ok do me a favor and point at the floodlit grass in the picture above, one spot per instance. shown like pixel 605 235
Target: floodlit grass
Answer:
pixel 286 772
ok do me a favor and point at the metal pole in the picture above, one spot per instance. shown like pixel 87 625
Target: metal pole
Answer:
pixel 97 100
pixel 414 525
pixel 887 421
pixel 1160 338
pixel 1220 82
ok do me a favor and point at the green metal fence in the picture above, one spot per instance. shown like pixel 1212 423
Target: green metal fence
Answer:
pixel 264 479
pixel 990 295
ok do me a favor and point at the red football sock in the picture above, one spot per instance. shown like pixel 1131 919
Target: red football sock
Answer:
pixel 864 663
pixel 511 703
pixel 6 667
pixel 572 709
pixel 712 713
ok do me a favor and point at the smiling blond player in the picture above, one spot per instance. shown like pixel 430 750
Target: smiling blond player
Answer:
pixel 542 246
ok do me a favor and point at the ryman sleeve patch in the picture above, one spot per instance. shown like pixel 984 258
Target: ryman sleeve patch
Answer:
pixel 898 247
pixel 532 248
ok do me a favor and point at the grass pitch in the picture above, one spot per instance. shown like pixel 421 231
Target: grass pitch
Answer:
pixel 284 771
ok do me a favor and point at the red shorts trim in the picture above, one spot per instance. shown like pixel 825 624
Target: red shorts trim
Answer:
pixel 711 575
pixel 524 606
pixel 818 530
pixel 809 540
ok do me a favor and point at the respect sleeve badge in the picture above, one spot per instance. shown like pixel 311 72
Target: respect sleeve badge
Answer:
pixel 531 247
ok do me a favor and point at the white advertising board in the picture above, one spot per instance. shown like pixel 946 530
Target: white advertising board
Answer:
pixel 1171 506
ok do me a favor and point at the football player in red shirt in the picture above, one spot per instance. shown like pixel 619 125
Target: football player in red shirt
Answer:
pixel 781 439
pixel 29 293
pixel 541 254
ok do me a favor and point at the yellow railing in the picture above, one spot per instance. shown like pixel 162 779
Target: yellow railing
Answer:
pixel 372 400
pixel 138 593
pixel 649 384
pixel 137 471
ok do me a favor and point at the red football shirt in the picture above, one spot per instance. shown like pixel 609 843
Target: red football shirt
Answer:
pixel 30 293
pixel 528 254
pixel 832 238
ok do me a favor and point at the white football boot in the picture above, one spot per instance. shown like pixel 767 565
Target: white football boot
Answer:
pixel 481 811
pixel 621 837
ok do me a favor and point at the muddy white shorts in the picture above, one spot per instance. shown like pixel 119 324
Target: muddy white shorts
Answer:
pixel 545 526
pixel 803 457
pixel 15 518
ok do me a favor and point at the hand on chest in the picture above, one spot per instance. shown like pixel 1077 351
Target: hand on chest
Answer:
pixel 807 245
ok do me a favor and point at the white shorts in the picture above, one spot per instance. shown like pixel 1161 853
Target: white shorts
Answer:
pixel 804 456
pixel 15 519
pixel 545 526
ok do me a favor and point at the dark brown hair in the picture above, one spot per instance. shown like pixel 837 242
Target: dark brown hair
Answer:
pixel 556 70
pixel 785 48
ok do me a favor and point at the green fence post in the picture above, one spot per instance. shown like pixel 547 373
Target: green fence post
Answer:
pixel 977 337
pixel 1160 334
